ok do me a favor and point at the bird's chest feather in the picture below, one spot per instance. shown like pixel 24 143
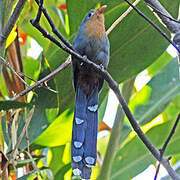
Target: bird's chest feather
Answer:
pixel 92 49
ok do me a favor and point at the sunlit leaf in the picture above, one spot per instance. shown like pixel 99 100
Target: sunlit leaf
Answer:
pixel 156 95
pixel 11 37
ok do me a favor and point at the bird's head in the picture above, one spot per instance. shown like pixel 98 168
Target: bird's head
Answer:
pixel 94 22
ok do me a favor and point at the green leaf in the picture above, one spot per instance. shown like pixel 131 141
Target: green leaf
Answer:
pixel 56 162
pixel 31 68
pixel 6 105
pixel 102 108
pixel 76 11
pixel 159 64
pixel 5 10
pixel 58 133
pixel 156 95
pixel 30 11
pixel 60 174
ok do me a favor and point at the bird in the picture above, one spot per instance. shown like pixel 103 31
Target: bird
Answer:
pixel 92 42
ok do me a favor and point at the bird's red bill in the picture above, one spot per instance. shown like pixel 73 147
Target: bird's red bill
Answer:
pixel 101 9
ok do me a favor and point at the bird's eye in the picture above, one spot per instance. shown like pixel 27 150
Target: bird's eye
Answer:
pixel 90 14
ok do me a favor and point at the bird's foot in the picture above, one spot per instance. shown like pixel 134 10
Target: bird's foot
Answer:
pixel 102 67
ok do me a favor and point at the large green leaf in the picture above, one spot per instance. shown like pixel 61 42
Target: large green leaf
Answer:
pixel 156 95
pixel 56 162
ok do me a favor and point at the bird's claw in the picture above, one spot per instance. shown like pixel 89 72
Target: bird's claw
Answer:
pixel 102 67
pixel 84 57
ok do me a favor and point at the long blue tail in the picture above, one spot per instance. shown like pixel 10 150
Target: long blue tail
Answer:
pixel 84 134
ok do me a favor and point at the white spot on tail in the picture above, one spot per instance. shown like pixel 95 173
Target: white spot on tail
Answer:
pixel 90 160
pixel 77 172
pixel 77 158
pixel 79 121
pixel 77 144
pixel 93 108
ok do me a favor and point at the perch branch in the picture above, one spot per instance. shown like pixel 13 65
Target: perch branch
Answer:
pixel 166 143
pixel 11 22
pixel 166 15
pixel 172 25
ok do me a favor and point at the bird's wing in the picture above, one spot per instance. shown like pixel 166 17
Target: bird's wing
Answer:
pixel 79 45
pixel 102 57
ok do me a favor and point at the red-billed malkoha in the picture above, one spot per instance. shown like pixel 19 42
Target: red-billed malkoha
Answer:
pixel 91 41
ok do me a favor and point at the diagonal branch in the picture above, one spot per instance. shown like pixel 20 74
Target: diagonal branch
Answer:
pixel 154 25
pixel 11 22
pixel 6 63
pixel 166 143
pixel 164 16
pixel 162 13
pixel 54 29
pixel 45 79
pixel 172 26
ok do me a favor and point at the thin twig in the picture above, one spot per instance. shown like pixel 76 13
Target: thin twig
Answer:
pixel 54 29
pixel 33 162
pixel 19 139
pixel 154 25
pixel 166 143
pixel 45 79
pixel 3 61
pixel 159 12
pixel 11 22
pixel 121 17
pixel 44 84
pixel 171 25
